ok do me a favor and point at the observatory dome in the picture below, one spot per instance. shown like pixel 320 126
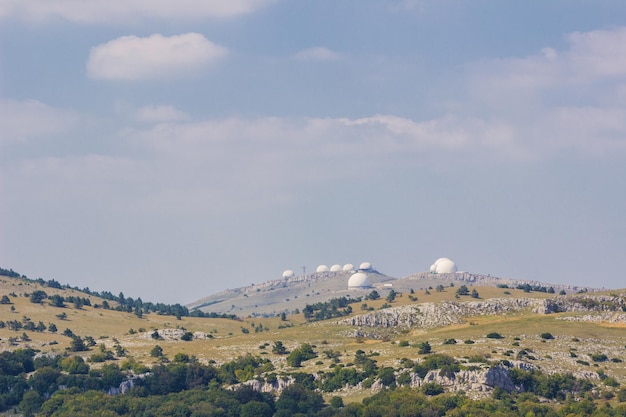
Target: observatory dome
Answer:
pixel 365 266
pixel 348 267
pixel 335 268
pixel 443 266
pixel 288 273
pixel 359 280
pixel 322 268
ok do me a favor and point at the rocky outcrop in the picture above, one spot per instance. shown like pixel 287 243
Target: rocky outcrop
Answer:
pixel 175 334
pixel 583 303
pixel 431 315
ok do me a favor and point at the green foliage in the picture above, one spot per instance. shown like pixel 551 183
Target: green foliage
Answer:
pixel 279 348
pixel 547 336
pixel 374 295
pixel 432 388
pixel 335 307
pixel 423 348
pixel 5 300
pixel 74 365
pixel 599 357
pixel 462 290
pixel 77 345
pixel 301 354
pixel 56 300
pixel 38 296
pixel 187 336
pixel 296 399
pixel 494 335
pixel 156 351
pixel 555 386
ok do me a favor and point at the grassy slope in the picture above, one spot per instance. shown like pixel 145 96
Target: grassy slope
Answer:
pixel 107 326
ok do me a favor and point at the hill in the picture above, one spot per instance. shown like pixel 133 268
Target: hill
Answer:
pixel 288 295
pixel 424 331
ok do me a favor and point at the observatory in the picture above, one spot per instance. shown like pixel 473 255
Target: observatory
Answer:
pixel 348 267
pixel 443 266
pixel 322 268
pixel 365 266
pixel 359 280
pixel 288 274
pixel 335 268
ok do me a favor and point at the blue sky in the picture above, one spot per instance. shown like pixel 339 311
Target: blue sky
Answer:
pixel 171 150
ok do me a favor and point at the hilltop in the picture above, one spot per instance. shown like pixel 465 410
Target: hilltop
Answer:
pixel 291 294
pixel 467 333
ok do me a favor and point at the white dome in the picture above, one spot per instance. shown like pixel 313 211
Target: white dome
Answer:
pixel 322 268
pixel 348 267
pixel 359 280
pixel 335 268
pixel 443 266
pixel 288 273
pixel 365 266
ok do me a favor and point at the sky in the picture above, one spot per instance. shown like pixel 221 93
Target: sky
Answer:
pixel 170 150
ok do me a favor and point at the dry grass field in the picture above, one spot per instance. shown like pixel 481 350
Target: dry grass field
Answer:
pixel 569 349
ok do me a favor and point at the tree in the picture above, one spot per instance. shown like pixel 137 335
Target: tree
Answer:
pixel 423 348
pixel 52 328
pixel 474 293
pixel 77 345
pixel 31 403
pixel 373 295
pixel 256 409
pixel 463 290
pixel 301 354
pixel 38 296
pixel 279 348
pixel 391 296
pixel 156 352
pixel 5 300
pixel 56 300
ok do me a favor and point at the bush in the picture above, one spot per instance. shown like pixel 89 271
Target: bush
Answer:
pixel 547 336
pixel 495 335
pixel 301 354
pixel 432 388
pixel 423 348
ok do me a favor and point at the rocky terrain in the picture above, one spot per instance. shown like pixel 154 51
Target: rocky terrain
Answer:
pixel 432 315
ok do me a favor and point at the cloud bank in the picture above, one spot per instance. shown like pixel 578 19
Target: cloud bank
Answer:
pixel 133 58
pixel 112 11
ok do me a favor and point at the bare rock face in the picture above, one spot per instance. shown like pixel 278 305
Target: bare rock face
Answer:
pixel 431 315
pixel 583 303
pixel 482 380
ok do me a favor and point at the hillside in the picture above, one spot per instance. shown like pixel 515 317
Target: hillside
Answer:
pixel 487 331
pixel 287 295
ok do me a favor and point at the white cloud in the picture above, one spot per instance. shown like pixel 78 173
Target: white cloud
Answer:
pixel 157 56
pixel 159 114
pixel 317 54
pixel 21 120
pixel 559 99
pixel 114 11
pixel 592 57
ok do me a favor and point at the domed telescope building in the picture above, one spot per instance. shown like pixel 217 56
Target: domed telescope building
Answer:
pixel 359 280
pixel 443 266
